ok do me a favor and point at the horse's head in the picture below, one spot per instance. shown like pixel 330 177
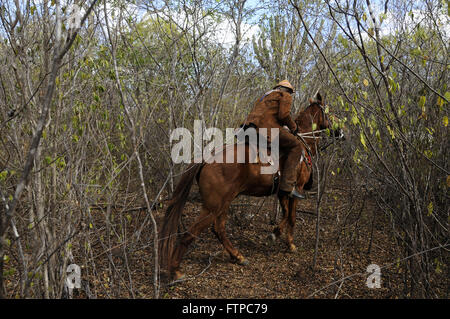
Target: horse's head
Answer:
pixel 315 117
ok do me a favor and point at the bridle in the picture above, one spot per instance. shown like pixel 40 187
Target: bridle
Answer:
pixel 313 133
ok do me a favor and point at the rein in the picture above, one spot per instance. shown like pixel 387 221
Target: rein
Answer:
pixel 307 134
pixel 302 136
pixel 308 149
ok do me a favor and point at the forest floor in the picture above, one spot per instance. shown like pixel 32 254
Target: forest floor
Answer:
pixel 274 272
pixel 350 226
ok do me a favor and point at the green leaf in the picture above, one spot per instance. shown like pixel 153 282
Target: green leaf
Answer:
pixel 363 140
pixel 365 95
pixel 422 101
pixel 447 94
pixel 416 52
pixel 445 121
pixel 356 157
pixel 391 132
pixel 343 41
pixel 438 263
pixel 392 85
pixel 377 134
pixel 341 100
pixel 3 175
pixel 430 208
pixel 9 272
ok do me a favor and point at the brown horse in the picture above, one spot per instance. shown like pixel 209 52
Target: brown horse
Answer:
pixel 220 183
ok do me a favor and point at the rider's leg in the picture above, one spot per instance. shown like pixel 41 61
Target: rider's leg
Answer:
pixel 293 148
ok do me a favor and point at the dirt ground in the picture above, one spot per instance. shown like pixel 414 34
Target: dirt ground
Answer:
pixel 274 272
pixel 349 227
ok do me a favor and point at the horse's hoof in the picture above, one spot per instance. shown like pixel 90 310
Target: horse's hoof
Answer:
pixel 242 261
pixel 178 275
pixel 245 262
pixel 292 248
pixel 272 237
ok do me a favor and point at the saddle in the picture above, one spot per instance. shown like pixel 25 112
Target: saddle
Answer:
pixel 254 149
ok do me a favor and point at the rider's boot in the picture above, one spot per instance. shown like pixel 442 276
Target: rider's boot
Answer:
pixel 296 194
pixel 293 194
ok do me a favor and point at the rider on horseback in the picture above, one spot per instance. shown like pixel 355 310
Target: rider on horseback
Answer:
pixel 273 111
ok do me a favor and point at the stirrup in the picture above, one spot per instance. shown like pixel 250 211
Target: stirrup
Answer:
pixel 292 194
pixel 296 194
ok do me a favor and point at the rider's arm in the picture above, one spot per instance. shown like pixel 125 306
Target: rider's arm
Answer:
pixel 284 111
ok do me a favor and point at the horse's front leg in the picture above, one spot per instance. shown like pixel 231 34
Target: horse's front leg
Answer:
pixel 291 223
pixel 302 178
pixel 288 207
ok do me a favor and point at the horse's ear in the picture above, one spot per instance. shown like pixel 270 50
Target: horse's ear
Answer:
pixel 319 97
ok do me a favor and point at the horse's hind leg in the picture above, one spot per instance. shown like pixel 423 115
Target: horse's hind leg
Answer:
pixel 278 230
pixel 219 231
pixel 203 221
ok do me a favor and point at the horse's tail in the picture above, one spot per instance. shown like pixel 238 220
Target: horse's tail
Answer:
pixel 172 219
